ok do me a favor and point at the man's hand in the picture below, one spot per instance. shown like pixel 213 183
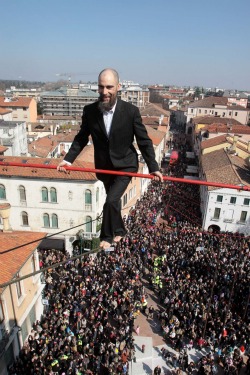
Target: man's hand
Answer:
pixel 157 176
pixel 61 166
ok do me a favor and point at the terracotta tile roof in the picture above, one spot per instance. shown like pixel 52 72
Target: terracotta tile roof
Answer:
pixel 222 128
pixel 217 167
pixel 56 118
pixel 15 259
pixel 212 142
pixel 154 110
pixel 5 111
pixel 16 102
pixel 213 101
pixel 155 135
pixel 42 146
pixel 40 173
pixel 210 101
pixel 3 149
pixel 154 120
pixel 211 120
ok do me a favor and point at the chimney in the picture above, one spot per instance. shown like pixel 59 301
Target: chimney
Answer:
pixel 29 128
pixel 5 215
pixel 248 146
pixel 235 139
pixel 51 129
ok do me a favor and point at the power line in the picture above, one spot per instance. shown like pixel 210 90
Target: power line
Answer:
pixel 55 265
pixel 50 235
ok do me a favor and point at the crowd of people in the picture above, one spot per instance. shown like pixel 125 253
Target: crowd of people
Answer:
pixel 203 289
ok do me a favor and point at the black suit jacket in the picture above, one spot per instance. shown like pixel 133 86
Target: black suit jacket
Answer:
pixel 116 151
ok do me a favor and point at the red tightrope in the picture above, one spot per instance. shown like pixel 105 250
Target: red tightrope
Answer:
pixel 140 175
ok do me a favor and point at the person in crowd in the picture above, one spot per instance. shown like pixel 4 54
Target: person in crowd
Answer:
pixel 89 322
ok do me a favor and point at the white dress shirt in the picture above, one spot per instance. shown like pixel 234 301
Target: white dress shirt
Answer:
pixel 107 118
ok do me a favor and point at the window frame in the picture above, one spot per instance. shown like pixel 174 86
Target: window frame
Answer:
pixel 217 217
pixel 218 200
pixel 22 194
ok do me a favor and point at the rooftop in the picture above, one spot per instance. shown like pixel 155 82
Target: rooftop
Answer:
pixel 228 169
pixel 15 240
pixel 15 102
pixel 43 173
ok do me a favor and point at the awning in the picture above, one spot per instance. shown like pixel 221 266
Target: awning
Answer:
pixel 52 243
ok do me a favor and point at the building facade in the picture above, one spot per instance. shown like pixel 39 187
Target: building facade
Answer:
pixel 23 109
pixel 67 101
pixel 13 135
pixel 21 300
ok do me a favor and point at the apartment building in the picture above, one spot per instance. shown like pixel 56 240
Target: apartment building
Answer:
pixel 13 136
pixel 218 107
pixel 23 109
pixel 21 300
pixel 67 101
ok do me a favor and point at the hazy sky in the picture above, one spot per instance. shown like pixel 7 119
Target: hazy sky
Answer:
pixel 182 42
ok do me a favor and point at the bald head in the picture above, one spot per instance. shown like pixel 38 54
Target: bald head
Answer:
pixel 108 87
pixel 107 72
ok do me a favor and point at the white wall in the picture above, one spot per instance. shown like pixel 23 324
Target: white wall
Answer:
pixel 230 213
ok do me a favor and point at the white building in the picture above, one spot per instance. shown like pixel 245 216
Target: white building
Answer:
pixel 45 200
pixel 13 135
pixel 225 209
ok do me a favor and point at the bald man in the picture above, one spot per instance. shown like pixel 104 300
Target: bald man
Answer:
pixel 113 124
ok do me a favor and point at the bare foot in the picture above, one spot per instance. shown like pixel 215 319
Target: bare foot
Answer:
pixel 117 238
pixel 105 245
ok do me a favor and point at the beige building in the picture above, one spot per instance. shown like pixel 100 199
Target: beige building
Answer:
pixel 20 301
pixel 23 109
pixel 218 107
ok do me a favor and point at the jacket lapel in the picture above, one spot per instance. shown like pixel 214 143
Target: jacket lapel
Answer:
pixel 116 116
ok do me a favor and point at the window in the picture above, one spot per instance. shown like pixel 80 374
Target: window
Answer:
pixel 205 111
pixel 219 198
pixel 54 221
pixel 1 312
pixel 125 199
pixel 25 219
pixel 46 223
pixel 88 197
pixel 235 113
pixel 18 287
pixel 243 216
pixel 246 201
pixel 88 224
pixel 233 200
pixel 45 197
pixel 22 193
pixel 53 195
pixel 2 192
pixel 217 213
pixel 230 113
pixel 192 111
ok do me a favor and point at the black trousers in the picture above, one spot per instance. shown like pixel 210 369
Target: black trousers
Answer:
pixel 112 223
